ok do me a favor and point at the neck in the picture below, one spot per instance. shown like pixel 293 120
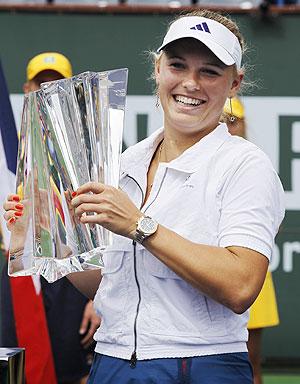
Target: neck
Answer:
pixel 176 142
pixel 170 150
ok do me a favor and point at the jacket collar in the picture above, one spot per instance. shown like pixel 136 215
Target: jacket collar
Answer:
pixel 136 159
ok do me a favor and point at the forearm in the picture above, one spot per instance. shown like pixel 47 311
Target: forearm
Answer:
pixel 87 282
pixel 232 278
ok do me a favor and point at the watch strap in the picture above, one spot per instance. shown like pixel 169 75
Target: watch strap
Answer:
pixel 141 235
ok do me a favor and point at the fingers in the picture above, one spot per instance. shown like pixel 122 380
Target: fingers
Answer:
pixel 87 340
pixel 10 221
pixel 100 218
pixel 97 202
pixel 84 323
pixel 85 208
pixel 13 197
pixel 11 218
pixel 11 201
pixel 10 205
pixel 90 187
pixel 112 208
pixel 89 324
pixel 14 210
pixel 89 198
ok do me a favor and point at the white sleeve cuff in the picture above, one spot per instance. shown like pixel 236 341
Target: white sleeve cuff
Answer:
pixel 251 242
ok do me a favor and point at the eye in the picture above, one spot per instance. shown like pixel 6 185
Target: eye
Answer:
pixel 210 72
pixel 176 65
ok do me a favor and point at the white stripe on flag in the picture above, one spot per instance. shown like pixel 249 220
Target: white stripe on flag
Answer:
pixel 7 183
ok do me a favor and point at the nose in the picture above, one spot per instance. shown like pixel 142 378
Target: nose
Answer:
pixel 191 82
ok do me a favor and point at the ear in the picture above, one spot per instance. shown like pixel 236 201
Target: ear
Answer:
pixel 26 87
pixel 236 84
pixel 157 70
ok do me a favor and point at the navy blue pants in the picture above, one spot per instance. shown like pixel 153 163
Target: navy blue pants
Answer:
pixel 230 368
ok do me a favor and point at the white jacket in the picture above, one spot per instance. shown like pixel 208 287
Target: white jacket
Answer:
pixel 223 191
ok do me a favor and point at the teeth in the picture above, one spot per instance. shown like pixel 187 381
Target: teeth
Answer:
pixel 187 100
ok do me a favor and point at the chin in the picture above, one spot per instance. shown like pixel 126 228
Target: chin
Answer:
pixel 188 130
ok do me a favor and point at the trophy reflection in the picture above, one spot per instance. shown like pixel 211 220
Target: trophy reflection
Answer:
pixel 71 133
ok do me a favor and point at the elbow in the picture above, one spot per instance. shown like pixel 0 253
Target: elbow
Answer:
pixel 239 308
pixel 240 303
pixel 242 295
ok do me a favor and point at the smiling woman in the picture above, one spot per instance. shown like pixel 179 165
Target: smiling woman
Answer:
pixel 194 221
pixel 193 85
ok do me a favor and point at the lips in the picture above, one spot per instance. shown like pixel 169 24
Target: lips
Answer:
pixel 188 101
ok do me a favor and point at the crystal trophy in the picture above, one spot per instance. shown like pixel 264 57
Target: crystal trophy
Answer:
pixel 71 133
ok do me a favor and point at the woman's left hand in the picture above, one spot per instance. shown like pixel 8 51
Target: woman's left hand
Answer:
pixel 112 207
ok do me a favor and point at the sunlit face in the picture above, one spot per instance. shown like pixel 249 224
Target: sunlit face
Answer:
pixel 42 77
pixel 193 85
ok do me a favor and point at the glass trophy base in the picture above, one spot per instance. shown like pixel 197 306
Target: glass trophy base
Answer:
pixel 53 269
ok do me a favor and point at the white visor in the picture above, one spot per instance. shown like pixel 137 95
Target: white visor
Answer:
pixel 219 39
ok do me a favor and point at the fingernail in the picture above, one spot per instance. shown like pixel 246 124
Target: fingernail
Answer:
pixel 19 206
pixel 74 194
pixel 81 331
pixel 16 198
pixel 12 220
pixel 18 213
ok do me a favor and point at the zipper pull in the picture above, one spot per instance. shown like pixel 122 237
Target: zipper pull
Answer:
pixel 133 360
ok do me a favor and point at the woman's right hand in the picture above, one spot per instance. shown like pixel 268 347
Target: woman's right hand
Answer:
pixel 13 210
pixel 16 216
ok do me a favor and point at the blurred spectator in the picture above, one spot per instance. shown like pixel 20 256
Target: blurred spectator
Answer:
pixel 263 312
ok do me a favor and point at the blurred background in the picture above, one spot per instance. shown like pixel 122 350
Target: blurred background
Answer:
pixel 99 35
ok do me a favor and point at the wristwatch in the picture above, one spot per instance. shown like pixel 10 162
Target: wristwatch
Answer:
pixel 145 227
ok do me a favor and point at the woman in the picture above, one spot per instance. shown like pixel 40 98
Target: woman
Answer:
pixel 195 220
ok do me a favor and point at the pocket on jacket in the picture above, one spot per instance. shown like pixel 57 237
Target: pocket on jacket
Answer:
pixel 190 313
pixel 216 316
pixel 112 294
pixel 158 269
pixel 113 261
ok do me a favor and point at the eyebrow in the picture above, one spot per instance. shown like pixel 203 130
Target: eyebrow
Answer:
pixel 218 64
pixel 174 56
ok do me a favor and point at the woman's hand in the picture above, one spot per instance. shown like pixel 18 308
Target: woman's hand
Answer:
pixel 16 216
pixel 112 207
pixel 13 210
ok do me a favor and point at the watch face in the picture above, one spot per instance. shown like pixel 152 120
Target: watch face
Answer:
pixel 148 225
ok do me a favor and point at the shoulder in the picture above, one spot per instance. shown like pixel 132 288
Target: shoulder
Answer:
pixel 237 153
pixel 241 168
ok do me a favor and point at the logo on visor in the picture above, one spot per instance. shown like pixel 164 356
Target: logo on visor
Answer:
pixel 201 27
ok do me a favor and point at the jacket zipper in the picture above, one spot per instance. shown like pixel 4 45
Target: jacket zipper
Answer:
pixel 133 358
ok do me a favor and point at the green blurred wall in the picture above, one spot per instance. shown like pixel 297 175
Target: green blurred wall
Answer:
pixel 102 41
